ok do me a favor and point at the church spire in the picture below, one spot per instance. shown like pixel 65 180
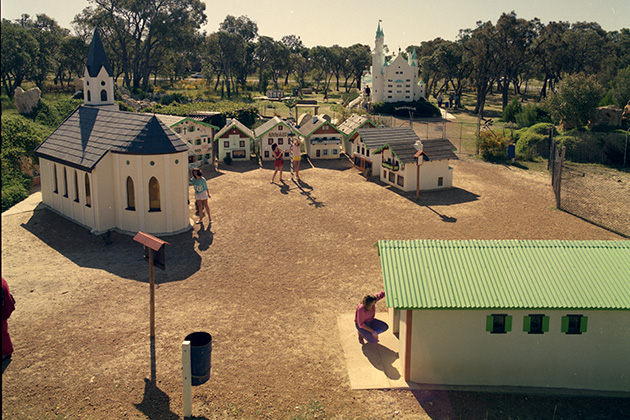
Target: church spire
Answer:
pixel 97 57
pixel 379 31
pixel 98 79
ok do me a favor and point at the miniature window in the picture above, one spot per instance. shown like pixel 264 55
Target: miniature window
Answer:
pixel 440 181
pixel 536 324
pixel 335 151
pixel 154 195
pixel 401 181
pixel 198 142
pixel 280 141
pixel 279 128
pixel 498 323
pixel 65 182
pixel 131 195
pixel 392 177
pixel 266 153
pixel 574 324
pixel 89 96
pixel 367 153
pixel 241 143
pixel 191 158
pixel 270 141
pixel 325 152
pixel 200 157
pixel 88 193
pixel 207 155
pixel 55 183
pixel 76 187
pixel 226 144
pixel 104 95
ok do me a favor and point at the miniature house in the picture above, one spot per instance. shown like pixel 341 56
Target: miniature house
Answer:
pixel 322 139
pixel 352 140
pixel 199 136
pixel 111 170
pixel 403 161
pixel 274 131
pixel 235 141
pixel 543 314
pixel 395 80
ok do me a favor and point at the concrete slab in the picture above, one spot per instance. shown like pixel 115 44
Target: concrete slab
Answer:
pixel 446 115
pixel 371 366
pixel 27 205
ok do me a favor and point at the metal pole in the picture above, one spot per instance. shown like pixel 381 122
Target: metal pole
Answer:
pixel 152 292
pixel 625 150
pixel 187 379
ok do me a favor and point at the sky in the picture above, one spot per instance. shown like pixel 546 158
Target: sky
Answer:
pixel 348 22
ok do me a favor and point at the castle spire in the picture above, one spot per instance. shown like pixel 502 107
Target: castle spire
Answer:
pixel 379 31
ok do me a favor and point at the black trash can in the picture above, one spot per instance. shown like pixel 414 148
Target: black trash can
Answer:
pixel 200 355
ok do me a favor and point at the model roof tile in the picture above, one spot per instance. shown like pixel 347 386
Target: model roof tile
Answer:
pixel 90 132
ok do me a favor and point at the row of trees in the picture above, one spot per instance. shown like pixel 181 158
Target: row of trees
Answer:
pixel 515 51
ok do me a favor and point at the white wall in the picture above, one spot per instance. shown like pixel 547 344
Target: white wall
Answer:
pixel 452 347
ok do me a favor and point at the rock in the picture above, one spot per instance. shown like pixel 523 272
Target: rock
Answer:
pixel 26 101
pixel 607 116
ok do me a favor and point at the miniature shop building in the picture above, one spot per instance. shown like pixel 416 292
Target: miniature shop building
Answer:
pixel 352 140
pixel 403 161
pixel 275 131
pixel 235 140
pixel 197 134
pixel 541 314
pixel 111 170
pixel 322 138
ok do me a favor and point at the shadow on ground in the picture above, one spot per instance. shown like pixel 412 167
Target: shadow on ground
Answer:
pixel 114 252
pixel 491 406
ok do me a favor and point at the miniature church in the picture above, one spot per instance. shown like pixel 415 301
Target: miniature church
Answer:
pixel 395 80
pixel 107 169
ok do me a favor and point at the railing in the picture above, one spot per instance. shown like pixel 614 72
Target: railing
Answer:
pixel 392 167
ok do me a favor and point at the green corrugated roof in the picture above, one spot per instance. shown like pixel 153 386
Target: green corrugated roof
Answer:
pixel 509 274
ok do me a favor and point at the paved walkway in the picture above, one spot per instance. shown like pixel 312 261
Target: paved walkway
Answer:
pixel 25 205
pixel 371 366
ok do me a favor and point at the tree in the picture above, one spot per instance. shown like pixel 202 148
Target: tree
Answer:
pixel 549 53
pixel 241 25
pixel 358 60
pixel 265 49
pixel 620 87
pixel 72 53
pixel 226 52
pixel 19 49
pixel 573 104
pixel 138 31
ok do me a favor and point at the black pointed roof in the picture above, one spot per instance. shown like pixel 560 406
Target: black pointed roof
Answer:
pixel 90 132
pixel 97 57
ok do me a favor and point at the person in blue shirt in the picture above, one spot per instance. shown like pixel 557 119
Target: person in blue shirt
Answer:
pixel 201 194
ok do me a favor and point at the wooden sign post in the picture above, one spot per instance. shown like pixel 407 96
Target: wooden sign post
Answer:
pixel 155 254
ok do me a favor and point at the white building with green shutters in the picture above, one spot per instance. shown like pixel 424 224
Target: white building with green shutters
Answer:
pixel 511 313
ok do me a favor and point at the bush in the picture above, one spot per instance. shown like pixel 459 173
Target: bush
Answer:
pixel 15 189
pixel 510 111
pixel 529 140
pixel 531 114
pixel 493 147
pixel 422 107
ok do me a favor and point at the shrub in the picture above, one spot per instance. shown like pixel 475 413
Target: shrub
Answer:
pixel 529 140
pixel 493 147
pixel 422 107
pixel 15 189
pixel 530 115
pixel 510 111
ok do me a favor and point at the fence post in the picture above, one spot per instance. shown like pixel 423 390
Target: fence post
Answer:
pixel 559 184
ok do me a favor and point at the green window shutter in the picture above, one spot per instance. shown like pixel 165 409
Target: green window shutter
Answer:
pixel 583 323
pixel 565 324
pixel 545 324
pixel 508 323
pixel 527 322
pixel 489 323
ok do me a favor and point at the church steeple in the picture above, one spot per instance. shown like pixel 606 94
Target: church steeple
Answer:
pixel 98 80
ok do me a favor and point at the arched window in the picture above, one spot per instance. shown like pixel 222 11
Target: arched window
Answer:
pixel 89 96
pixel 88 193
pixel 76 187
pixel 154 195
pixel 103 95
pixel 131 195
pixel 65 182
pixel 55 183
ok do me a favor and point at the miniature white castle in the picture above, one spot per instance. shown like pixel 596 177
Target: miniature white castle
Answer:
pixel 395 80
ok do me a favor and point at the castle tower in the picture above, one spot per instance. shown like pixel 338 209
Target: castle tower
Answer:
pixel 413 59
pixel 378 61
pixel 98 80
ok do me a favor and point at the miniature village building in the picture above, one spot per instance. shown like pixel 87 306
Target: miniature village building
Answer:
pixel 111 170
pixel 199 136
pixel 404 161
pixel 353 145
pixel 322 138
pixel 512 313
pixel 275 131
pixel 396 80
pixel 235 141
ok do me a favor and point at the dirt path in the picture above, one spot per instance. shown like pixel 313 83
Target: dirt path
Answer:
pixel 268 281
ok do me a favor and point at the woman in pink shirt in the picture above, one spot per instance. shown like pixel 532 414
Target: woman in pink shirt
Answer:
pixel 368 327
